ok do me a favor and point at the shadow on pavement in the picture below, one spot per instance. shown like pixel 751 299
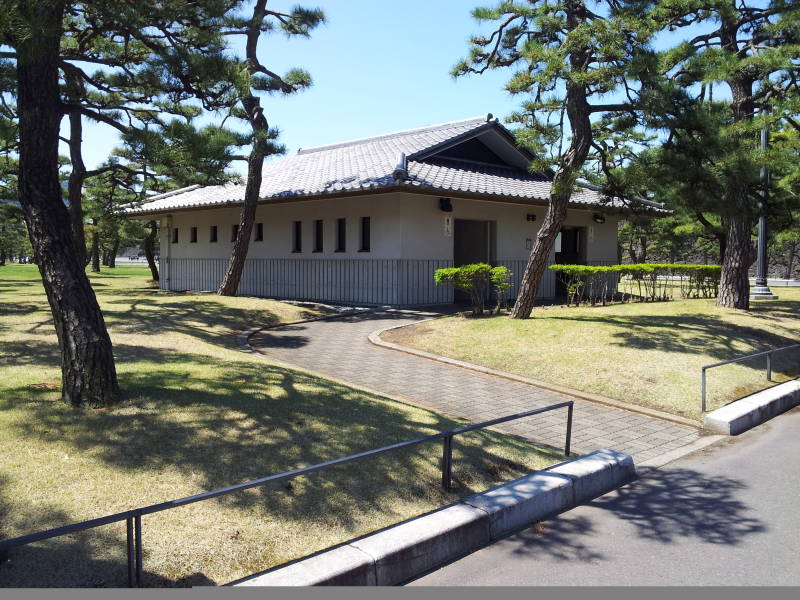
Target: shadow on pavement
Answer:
pixel 664 506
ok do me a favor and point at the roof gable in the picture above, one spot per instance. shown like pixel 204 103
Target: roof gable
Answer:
pixel 472 150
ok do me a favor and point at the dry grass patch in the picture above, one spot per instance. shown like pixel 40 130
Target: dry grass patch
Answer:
pixel 644 353
pixel 199 415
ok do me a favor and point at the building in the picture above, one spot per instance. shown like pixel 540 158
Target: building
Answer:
pixel 368 221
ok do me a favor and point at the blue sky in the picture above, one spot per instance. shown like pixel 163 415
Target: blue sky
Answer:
pixel 378 66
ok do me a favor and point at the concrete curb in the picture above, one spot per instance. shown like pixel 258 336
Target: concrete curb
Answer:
pixel 737 417
pixel 406 550
pixel 375 339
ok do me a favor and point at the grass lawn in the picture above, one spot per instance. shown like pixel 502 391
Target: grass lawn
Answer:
pixel 199 415
pixel 644 353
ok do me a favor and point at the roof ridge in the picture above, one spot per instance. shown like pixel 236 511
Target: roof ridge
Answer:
pixel 188 188
pixel 482 119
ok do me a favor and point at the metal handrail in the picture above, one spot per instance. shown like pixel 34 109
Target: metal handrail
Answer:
pixel 767 353
pixel 133 518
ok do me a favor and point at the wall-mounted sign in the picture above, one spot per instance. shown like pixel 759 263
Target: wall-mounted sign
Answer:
pixel 448 226
pixel 530 218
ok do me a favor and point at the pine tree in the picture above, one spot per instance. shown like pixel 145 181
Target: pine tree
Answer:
pixel 151 58
pixel 569 58
pixel 256 77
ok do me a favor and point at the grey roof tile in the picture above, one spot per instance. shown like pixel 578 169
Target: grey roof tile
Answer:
pixel 369 164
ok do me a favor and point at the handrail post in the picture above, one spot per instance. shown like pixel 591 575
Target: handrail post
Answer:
pixel 131 551
pixel 769 366
pixel 138 536
pixel 703 390
pixel 569 430
pixel 447 461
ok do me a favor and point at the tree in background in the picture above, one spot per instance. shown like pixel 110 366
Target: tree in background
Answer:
pixel 169 156
pixel 13 235
pixel 675 239
pixel 691 170
pixel 785 250
pixel 755 52
pixel 255 77
pixel 569 59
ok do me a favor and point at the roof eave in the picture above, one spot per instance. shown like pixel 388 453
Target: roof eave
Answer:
pixel 397 187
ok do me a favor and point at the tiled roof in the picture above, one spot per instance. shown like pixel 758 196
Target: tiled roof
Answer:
pixel 370 164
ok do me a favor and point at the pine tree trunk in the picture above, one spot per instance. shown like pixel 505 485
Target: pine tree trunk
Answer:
pixel 790 262
pixel 95 252
pixel 112 255
pixel 149 244
pixel 255 164
pixel 734 285
pixel 578 111
pixel 2 258
pixel 75 185
pixel 88 373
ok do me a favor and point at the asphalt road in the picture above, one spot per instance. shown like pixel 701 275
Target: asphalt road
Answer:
pixel 727 515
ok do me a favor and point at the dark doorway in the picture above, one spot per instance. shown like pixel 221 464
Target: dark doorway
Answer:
pixel 473 242
pixel 571 252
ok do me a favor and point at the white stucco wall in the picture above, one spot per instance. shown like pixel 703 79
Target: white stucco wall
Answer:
pixel 406 229
pixel 278 222
pixel 409 226
pixel 423 228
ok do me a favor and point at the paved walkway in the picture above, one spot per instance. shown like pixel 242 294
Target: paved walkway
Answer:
pixel 339 349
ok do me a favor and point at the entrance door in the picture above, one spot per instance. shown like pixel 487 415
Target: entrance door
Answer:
pixel 572 252
pixel 473 242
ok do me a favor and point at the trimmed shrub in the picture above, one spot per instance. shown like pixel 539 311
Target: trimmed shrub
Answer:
pixel 469 278
pixel 641 282
pixel 501 284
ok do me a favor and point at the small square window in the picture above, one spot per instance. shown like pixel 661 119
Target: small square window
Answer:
pixel 234 232
pixel 341 235
pixel 175 235
pixel 259 232
pixel 318 235
pixel 193 235
pixel 212 237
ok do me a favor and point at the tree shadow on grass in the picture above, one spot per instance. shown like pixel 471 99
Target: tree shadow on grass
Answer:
pixel 8 310
pixel 207 320
pixel 32 352
pixel 235 421
pixel 92 558
pixel 684 334
pixel 665 507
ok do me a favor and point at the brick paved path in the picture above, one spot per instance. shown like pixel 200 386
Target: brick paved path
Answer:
pixel 339 348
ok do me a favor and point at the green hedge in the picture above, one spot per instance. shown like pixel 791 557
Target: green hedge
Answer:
pixel 643 282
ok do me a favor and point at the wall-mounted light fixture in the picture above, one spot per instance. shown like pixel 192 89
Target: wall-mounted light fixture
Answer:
pixel 598 218
pixel 445 205
pixel 530 218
